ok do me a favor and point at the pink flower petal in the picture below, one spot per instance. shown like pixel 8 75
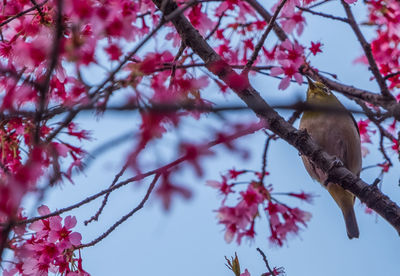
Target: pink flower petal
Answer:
pixel 53 236
pixel 284 83
pixel 36 226
pixel 298 77
pixel 70 222
pixel 275 71
pixel 75 238
pixel 55 223
pixel 43 210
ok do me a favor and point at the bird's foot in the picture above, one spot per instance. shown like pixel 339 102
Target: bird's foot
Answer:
pixel 335 164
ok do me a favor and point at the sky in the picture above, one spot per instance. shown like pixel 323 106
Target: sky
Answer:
pixel 188 241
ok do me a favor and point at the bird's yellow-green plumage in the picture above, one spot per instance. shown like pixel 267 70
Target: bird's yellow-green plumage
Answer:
pixel 337 133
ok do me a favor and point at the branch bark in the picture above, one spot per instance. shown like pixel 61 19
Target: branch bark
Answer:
pixel 335 170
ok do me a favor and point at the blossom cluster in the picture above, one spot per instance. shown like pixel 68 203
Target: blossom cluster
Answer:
pixel 239 220
pixel 50 248
pixel 385 14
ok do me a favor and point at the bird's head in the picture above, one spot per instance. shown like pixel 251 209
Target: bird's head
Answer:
pixel 318 93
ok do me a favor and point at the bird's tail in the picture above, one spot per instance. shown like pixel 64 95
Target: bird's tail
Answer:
pixel 351 222
pixel 345 200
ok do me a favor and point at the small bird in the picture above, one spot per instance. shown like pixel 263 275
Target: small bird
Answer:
pixel 337 133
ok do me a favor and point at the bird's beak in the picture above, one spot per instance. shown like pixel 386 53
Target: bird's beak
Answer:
pixel 310 83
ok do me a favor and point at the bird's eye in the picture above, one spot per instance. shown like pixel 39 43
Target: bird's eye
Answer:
pixel 326 90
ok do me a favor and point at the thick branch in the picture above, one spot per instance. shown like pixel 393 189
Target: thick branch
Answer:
pixel 369 194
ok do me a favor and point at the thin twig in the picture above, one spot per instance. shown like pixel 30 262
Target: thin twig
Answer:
pixel 319 4
pixel 264 157
pixel 345 20
pixel 391 75
pixel 71 115
pixel 215 27
pixel 124 218
pixel 260 43
pixel 271 271
pixel 291 120
pixel 95 217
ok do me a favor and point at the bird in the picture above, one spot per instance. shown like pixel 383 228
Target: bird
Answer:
pixel 336 132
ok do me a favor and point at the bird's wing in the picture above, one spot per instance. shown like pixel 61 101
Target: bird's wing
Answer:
pixel 355 123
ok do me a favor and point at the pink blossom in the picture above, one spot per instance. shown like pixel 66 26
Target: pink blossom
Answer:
pixel 315 48
pixel 114 51
pixel 290 57
pixel 293 21
pixel 200 20
pixel 303 196
pixel 63 234
pixel 167 190
pixel 252 196
pixel 289 72
pixel 223 186
pixel 284 220
pixel 365 131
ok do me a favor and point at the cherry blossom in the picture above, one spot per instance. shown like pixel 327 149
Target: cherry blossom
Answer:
pixel 239 220
pixel 315 48
pixel 50 248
